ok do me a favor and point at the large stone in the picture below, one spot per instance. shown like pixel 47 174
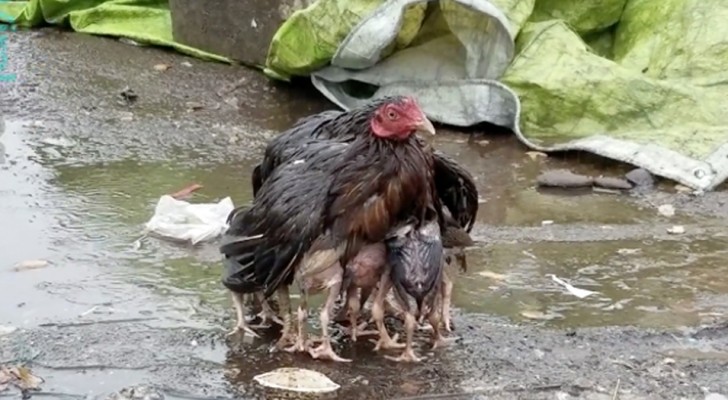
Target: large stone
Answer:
pixel 238 29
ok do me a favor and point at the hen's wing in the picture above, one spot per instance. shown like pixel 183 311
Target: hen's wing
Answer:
pixel 285 145
pixel 265 242
pixel 456 189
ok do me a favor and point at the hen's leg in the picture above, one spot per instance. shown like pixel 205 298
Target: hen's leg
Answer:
pixel 446 300
pixel 324 350
pixel 300 343
pixel 266 313
pixel 408 355
pixel 288 336
pixel 385 341
pixel 437 339
pixel 241 325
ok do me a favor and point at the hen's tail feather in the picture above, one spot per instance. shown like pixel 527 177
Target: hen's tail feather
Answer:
pixel 235 246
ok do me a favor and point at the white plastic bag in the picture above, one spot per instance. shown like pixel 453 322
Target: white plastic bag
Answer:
pixel 177 219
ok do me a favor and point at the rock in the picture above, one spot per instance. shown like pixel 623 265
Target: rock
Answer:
pixel 641 178
pixel 563 178
pixel 237 29
pixel 715 396
pixel 667 210
pixel 612 183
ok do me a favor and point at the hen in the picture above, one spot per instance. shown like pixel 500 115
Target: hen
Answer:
pixel 455 188
pixel 316 209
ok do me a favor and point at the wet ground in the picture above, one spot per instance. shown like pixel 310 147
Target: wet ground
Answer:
pixel 82 170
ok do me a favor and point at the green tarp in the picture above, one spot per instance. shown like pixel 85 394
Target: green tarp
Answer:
pixel 642 81
pixel 145 21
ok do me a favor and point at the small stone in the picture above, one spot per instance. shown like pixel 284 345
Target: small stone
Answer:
pixel 668 361
pixel 563 178
pixel 676 230
pixel 483 143
pixel 547 222
pixel 715 396
pixel 640 177
pixel 612 183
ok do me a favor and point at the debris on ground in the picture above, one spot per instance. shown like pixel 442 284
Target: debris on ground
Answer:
pixel 676 230
pixel 20 377
pixel 128 96
pixel 580 293
pixel 137 393
pixel 187 191
pixel 536 154
pixel 180 220
pixel 30 264
pixel 297 380
pixel 162 67
pixel 666 210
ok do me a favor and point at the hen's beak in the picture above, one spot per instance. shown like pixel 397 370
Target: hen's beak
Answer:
pixel 425 126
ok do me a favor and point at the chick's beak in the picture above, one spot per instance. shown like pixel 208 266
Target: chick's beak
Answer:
pixel 425 126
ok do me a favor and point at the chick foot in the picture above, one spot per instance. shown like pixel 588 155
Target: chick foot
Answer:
pixel 387 342
pixel 325 352
pixel 408 355
pixel 442 342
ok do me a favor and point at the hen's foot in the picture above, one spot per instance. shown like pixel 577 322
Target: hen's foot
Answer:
pixel 449 325
pixel 286 340
pixel 299 346
pixel 266 317
pixel 408 355
pixel 325 352
pixel 387 342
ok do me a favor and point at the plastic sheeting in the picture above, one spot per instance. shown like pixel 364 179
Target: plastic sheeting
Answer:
pixel 640 81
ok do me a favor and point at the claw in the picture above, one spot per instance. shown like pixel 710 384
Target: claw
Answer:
pixel 407 356
pixel 325 352
pixel 442 342
pixel 388 343
pixel 245 329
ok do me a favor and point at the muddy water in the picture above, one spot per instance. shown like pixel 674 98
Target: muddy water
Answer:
pixel 86 221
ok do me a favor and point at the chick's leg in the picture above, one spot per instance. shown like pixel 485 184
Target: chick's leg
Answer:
pixel 324 350
pixel 408 355
pixel 241 326
pixel 434 317
pixel 288 336
pixel 354 306
pixel 385 341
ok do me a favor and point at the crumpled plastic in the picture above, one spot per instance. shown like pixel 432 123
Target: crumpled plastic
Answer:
pixel 194 223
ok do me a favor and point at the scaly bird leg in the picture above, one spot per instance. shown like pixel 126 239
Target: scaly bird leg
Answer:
pixel 434 318
pixel 241 325
pixel 301 343
pixel 408 355
pixel 447 285
pixel 266 313
pixel 354 305
pixel 288 336
pixel 324 350
pixel 385 341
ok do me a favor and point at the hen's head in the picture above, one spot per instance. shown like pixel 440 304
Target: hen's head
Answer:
pixel 399 117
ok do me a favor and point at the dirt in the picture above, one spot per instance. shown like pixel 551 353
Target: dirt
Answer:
pixel 83 166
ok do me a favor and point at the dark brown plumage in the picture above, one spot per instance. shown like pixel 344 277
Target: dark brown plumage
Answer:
pixel 324 200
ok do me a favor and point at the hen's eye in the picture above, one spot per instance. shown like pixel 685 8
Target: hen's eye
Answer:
pixel 391 115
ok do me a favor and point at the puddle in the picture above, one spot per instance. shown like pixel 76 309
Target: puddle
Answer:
pixel 85 219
